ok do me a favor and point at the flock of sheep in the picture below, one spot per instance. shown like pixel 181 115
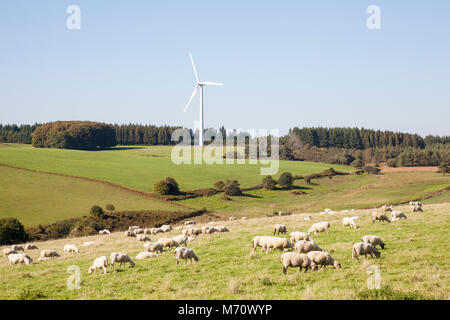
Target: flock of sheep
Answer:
pixel 306 253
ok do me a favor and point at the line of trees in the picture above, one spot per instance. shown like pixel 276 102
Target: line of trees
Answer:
pixel 13 133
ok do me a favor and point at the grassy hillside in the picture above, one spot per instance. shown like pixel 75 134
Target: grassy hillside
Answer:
pixel 415 262
pixel 36 198
pixel 140 167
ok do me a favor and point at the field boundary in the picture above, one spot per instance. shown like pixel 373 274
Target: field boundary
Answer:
pixel 110 184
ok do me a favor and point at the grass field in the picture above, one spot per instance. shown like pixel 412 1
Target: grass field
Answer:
pixel 140 167
pixel 415 263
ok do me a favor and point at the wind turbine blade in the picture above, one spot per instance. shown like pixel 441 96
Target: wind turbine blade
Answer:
pixel 192 97
pixel 193 65
pixel 210 83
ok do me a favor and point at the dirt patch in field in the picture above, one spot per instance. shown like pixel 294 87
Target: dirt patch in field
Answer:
pixel 385 168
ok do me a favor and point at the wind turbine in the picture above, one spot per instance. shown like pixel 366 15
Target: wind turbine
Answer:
pixel 200 84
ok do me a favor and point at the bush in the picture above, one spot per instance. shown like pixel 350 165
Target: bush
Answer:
pixel 232 188
pixel 219 185
pixel 97 211
pixel 12 231
pixel 269 183
pixel 110 207
pixel 357 163
pixel 371 170
pixel 286 180
pixel 391 163
pixel 167 186
pixel 387 293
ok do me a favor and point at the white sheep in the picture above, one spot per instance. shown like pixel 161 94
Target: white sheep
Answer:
pixel 153 246
pixel 168 242
pixel 138 231
pixel 30 246
pixel 16 258
pixel 365 249
pixel 147 231
pixel 387 208
pixel 397 215
pixel 380 217
pixel 156 230
pixel 279 228
pixel 121 258
pixel 294 260
pixel 297 236
pixel 208 230
pixel 89 243
pixel 276 243
pixel 166 228
pixel 129 233
pixel 303 246
pixel 8 251
pixel 319 227
pixel 181 239
pixel 373 240
pixel 99 263
pixel 185 253
pixel 17 247
pixel 47 254
pixel 416 209
pixel 244 218
pixel 321 258
pixel 146 255
pixel 350 222
pixel 189 222
pixel 258 241
pixel 142 237
pixel 221 229
pixel 104 232
pixel 415 203
pixel 132 228
pixel 70 248
pixel 232 218
pixel 307 218
pixel 190 239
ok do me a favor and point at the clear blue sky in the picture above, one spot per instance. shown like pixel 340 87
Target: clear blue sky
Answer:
pixel 284 63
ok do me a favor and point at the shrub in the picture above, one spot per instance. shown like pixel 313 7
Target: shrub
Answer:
pixel 12 231
pixel 269 183
pixel 110 207
pixel 286 180
pixel 161 187
pixel 97 211
pixel 391 163
pixel 443 168
pixel 232 188
pixel 357 163
pixel 173 186
pixel 219 185
pixel 371 170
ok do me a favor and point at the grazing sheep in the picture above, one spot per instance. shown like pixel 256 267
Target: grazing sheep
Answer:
pixel 121 258
pixel 185 253
pixel 397 215
pixel 365 249
pixel 70 248
pixel 146 255
pixel 232 218
pixel 156 230
pixel 89 243
pixel 138 231
pixel 294 260
pixel 244 218
pixel 129 234
pixel 279 228
pixel 8 251
pixel 350 222
pixel 103 232
pixel 47 254
pixel 181 239
pixel 99 263
pixel 153 246
pixel 16 258
pixel 319 227
pixel 387 208
pixel 281 213
pixel 30 246
pixel 297 236
pixel 416 209
pixel 142 237
pixel 147 231
pixel 221 229
pixel 380 217
pixel 259 241
pixel 166 228
pixel 321 258
pixel 415 203
pixel 303 246
pixel 189 222
pixel 190 239
pixel 208 230
pixel 276 243
pixel 373 240
pixel 192 231
pixel 168 242
pixel 132 228
pixel 308 218
pixel 17 247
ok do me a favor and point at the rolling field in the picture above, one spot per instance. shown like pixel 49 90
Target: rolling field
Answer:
pixel 140 167
pixel 415 263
